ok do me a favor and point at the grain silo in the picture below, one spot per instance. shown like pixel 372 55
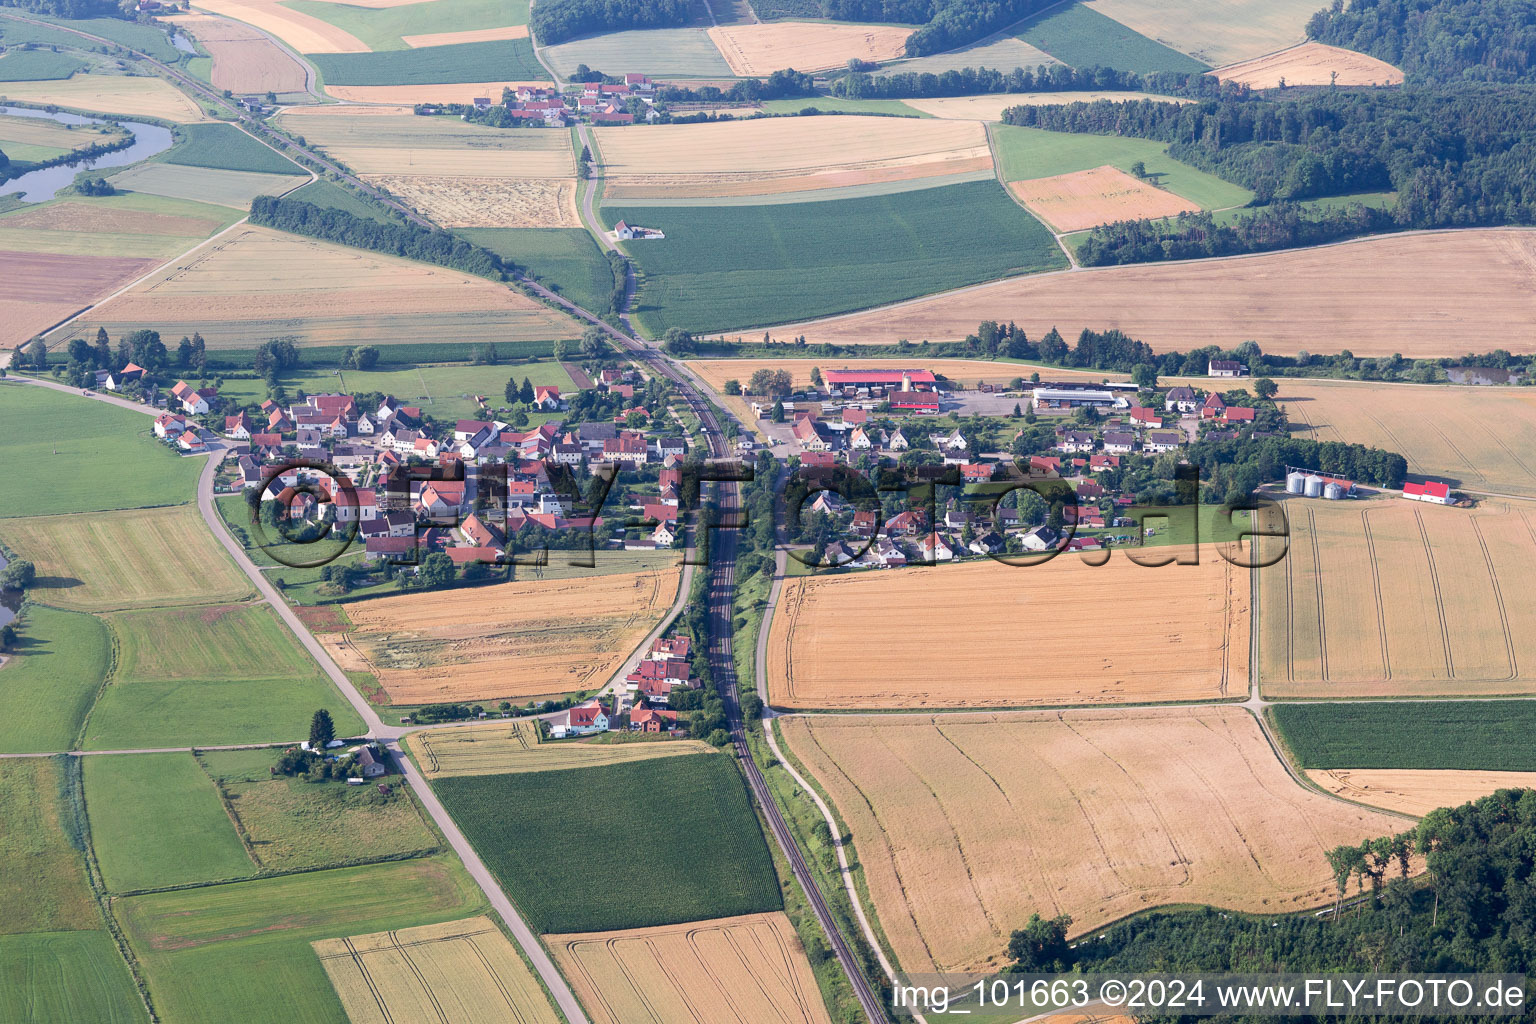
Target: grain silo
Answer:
pixel 1334 491
pixel 1295 482
pixel 1314 486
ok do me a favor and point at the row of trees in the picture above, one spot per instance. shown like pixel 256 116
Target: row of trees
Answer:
pixel 554 21
pixel 1473 912
pixel 407 240
pixel 75 8
pixel 1045 78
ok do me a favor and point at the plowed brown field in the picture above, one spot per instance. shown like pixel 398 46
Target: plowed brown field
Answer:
pixel 1311 64
pixel 766 47
pixel 1082 199
pixel 244 60
pixel 750 968
pixel 1416 792
pixel 966 825
pixel 1418 295
pixel 984 634
pixel 43 288
pixel 523 639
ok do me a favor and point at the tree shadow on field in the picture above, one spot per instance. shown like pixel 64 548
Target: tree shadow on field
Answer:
pixel 56 583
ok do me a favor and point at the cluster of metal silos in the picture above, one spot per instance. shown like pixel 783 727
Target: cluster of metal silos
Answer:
pixel 1313 486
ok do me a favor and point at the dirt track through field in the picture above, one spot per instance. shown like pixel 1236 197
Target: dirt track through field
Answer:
pixel 965 825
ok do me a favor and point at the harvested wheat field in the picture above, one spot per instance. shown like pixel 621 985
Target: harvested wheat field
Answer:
pixel 990 637
pixel 95 561
pixel 487 202
pixel 73 215
pixel 766 47
pixel 514 748
pixel 1082 199
pixel 1411 791
pixel 459 972
pixel 321 293
pixel 966 825
pixel 990 106
pixel 131 96
pixel 1311 64
pixel 1215 31
pixel 519 639
pixel 304 32
pixel 1419 295
pixel 244 60
pixel 783 154
pixel 397 142
pixel 1479 438
pixel 1395 598
pixel 451 92
pixel 749 968
pixel 474 35
pixel 43 288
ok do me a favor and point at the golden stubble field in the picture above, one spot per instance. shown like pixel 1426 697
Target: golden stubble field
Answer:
pixel 1215 31
pixel 783 154
pixel 304 32
pixel 965 825
pixel 766 47
pixel 132 96
pixel 300 285
pixel 989 635
pixel 1082 199
pixel 512 748
pixel 750 968
pixel 521 639
pixel 95 561
pixel 1481 438
pixel 1416 791
pixel 244 60
pixel 1312 64
pixel 456 971
pixel 1396 598
pixel 462 202
pixel 1419 295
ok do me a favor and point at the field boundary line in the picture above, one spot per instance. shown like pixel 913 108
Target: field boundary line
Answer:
pixel 229 811
pixel 997 172
pixel 1317 585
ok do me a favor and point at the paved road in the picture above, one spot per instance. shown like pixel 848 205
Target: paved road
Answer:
pixel 377 729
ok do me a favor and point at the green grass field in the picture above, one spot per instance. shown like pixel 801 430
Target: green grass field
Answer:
pixel 43 885
pixel 296 824
pixel 684 823
pixel 669 52
pixel 205 642
pixel 240 952
pixel 1026 153
pixel 223 147
pixel 38 66
pixel 70 454
pixel 566 259
pixel 802 260
pixel 48 687
pixel 382 27
pixel 145 38
pixel 156 820
pixel 1082 37
pixel 333 197
pixel 504 60
pixel 1493 735
pixel 1001 54
pixel 66 976
pixel 204 184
